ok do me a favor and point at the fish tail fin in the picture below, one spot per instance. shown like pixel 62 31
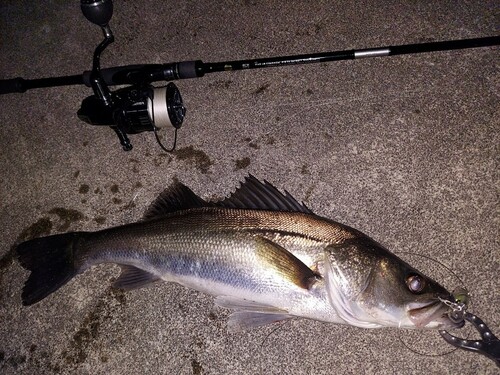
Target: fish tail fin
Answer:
pixel 51 261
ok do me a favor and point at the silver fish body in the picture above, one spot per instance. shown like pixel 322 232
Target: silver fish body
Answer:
pixel 258 252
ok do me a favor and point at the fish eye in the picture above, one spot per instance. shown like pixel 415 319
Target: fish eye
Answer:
pixel 415 283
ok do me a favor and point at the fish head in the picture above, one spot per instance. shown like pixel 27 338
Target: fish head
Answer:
pixel 371 287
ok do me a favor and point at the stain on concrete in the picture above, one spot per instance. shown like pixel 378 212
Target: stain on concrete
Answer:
pixel 67 217
pixel 242 163
pixel 197 158
pixel 114 188
pixel 196 366
pixel 270 140
pixel 83 340
pixel 252 143
pixel 76 174
pixel 266 139
pixel 100 220
pixel 262 89
pixel 212 316
pixel 135 165
pixel 305 170
pixel 40 360
pixel 223 84
pixel 117 200
pixel 158 160
pixel 16 360
pixel 308 194
pixel 84 189
pixel 5 262
pixel 42 227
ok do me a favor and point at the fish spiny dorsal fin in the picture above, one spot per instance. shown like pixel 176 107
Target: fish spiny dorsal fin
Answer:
pixel 256 195
pixel 176 197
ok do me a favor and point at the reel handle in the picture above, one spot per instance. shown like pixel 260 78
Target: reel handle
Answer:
pixel 99 12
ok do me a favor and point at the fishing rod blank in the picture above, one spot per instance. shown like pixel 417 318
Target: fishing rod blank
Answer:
pixel 147 73
pixel 351 54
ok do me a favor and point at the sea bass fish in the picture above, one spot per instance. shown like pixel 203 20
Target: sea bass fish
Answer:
pixel 259 252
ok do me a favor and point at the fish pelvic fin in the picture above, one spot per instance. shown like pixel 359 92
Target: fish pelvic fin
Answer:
pixel 134 278
pixel 250 314
pixel 51 261
pixel 287 265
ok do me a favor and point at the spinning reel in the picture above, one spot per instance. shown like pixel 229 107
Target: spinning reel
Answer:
pixel 133 109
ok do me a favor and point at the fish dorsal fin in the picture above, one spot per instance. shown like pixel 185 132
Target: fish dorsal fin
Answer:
pixel 174 198
pixel 256 195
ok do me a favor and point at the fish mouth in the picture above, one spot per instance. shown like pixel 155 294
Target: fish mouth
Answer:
pixel 432 315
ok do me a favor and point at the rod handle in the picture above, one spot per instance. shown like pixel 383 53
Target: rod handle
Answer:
pixel 8 86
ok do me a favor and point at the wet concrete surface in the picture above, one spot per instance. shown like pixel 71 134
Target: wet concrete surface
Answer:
pixel 403 148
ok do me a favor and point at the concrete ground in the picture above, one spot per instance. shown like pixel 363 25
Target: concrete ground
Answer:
pixel 404 148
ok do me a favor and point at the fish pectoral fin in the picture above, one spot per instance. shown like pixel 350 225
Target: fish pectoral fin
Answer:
pixel 133 278
pixel 285 263
pixel 250 314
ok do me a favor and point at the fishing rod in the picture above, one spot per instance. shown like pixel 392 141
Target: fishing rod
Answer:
pixel 142 107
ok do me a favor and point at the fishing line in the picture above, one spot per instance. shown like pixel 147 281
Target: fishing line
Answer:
pixel 273 331
pixel 155 130
pixel 462 284
pixel 279 325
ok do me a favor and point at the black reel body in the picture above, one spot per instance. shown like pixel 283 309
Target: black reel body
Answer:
pixel 136 109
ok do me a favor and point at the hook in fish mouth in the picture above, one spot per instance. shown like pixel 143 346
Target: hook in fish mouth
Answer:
pixel 435 314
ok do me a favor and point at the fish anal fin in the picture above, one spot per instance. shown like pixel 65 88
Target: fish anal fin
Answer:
pixel 243 320
pixel 285 263
pixel 250 314
pixel 134 278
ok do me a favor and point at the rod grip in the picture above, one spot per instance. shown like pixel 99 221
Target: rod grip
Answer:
pixel 8 86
